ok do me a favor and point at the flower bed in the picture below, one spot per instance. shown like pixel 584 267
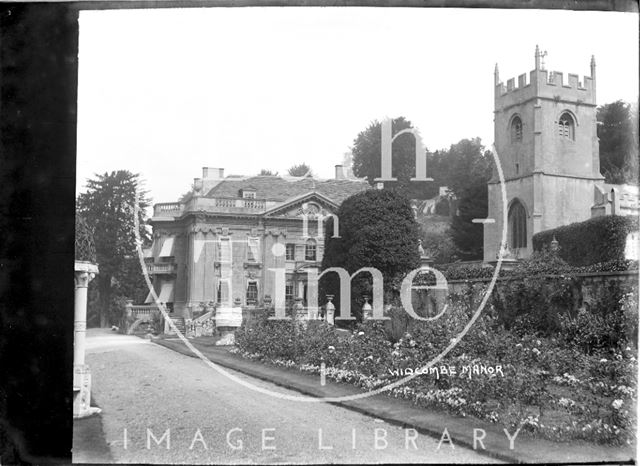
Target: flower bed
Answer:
pixel 574 384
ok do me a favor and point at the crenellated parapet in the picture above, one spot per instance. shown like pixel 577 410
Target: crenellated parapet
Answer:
pixel 546 85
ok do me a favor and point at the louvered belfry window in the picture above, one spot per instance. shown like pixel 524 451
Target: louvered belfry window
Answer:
pixel 566 127
pixel 516 130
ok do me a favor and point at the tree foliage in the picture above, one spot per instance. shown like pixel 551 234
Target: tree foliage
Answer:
pixel 439 247
pixel 266 172
pixel 301 169
pixel 617 131
pixel 107 207
pixel 189 194
pixel 366 159
pixel 377 229
pixel 466 168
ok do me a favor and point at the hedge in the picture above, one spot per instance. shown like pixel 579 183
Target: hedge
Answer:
pixel 599 239
pixel 541 264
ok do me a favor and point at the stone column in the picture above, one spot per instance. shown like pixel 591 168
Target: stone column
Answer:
pixel 84 273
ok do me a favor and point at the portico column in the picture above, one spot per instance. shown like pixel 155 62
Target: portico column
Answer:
pixel 82 279
pixel 84 273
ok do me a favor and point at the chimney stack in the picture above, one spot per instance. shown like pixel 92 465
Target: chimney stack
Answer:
pixel 211 173
pixel 339 172
pixel 211 177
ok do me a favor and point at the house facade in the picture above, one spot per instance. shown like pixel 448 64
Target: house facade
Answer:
pixel 227 243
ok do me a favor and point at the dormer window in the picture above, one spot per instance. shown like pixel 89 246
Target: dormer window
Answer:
pixel 248 193
pixel 516 130
pixel 566 127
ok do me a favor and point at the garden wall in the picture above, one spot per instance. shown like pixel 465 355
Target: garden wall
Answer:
pixel 585 287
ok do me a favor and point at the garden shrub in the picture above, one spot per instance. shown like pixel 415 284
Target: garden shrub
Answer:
pixel 614 265
pixel 125 324
pixel 442 207
pixel 398 324
pixel 377 229
pixel 156 323
pixel 531 301
pixel 464 271
pixel 599 239
pixel 270 338
pixel 316 343
pixel 610 324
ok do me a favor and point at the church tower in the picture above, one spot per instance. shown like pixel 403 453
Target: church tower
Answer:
pixel 546 141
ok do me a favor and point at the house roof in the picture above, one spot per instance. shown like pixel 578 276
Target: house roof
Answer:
pixel 280 189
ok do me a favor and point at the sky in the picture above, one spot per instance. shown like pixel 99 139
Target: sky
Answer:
pixel 166 92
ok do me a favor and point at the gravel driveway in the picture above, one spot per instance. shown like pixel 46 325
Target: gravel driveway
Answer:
pixel 146 390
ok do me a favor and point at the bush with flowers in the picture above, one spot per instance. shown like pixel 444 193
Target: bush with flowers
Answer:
pixel 577 382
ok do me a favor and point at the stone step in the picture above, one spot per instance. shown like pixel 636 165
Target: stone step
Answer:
pixel 179 323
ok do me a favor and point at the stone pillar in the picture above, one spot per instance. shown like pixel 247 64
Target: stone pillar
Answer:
pixel 84 273
pixel 128 306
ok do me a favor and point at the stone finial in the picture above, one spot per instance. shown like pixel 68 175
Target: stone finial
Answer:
pixel 537 57
pixel 420 248
pixel 593 67
pixel 367 310
pixel 505 252
pixel 496 75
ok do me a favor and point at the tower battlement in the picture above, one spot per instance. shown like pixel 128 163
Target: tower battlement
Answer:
pixel 542 83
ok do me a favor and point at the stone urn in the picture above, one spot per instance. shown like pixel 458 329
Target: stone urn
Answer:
pixel 298 309
pixel 330 310
pixel 367 310
pixel 267 301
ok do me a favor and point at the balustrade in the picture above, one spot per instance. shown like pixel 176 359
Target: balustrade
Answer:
pixel 209 204
pixel 167 208
pixel 168 268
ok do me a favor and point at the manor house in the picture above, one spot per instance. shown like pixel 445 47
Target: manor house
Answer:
pixel 220 244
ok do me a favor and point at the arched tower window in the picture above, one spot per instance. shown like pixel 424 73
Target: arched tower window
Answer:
pixel 566 126
pixel 517 226
pixel 516 130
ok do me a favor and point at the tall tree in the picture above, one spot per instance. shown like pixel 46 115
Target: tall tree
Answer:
pixel 617 126
pixel 377 229
pixel 366 159
pixel 107 207
pixel 301 169
pixel 468 168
